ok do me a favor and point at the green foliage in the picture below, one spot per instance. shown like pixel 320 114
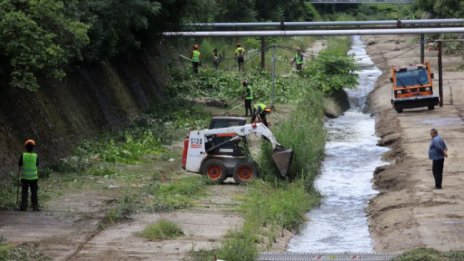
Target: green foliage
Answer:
pixel 428 254
pixel 332 70
pixel 124 207
pixel 36 39
pixel 161 230
pixel 239 246
pixel 441 8
pixel 26 251
pixel 178 194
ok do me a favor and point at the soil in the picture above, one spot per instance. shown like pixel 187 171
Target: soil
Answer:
pixel 409 212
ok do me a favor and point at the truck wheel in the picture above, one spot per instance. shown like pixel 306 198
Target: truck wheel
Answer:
pixel 431 107
pixel 215 170
pixel 398 110
pixel 244 172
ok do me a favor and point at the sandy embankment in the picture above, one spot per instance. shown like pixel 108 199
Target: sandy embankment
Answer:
pixel 409 212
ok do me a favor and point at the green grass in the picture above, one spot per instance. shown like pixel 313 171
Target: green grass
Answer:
pixel 161 230
pixel 26 251
pixel 122 209
pixel 428 254
pixel 177 194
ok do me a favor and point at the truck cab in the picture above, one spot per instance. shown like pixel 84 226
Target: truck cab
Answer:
pixel 412 87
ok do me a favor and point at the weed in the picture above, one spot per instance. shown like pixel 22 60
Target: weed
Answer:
pixel 178 194
pixel 161 230
pixel 203 255
pixel 26 251
pixel 239 246
pixel 125 206
pixel 428 254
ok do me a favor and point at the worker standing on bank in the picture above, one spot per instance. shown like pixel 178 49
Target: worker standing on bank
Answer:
pixel 28 163
pixel 248 98
pixel 259 111
pixel 298 59
pixel 196 56
pixel 437 153
pixel 240 56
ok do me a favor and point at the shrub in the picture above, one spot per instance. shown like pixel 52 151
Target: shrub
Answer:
pixel 163 229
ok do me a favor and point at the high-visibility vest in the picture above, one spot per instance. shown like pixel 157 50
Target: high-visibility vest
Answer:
pixel 260 107
pixel 250 94
pixel 298 58
pixel 239 50
pixel 30 166
pixel 196 56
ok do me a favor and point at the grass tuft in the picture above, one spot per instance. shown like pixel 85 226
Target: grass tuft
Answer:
pixel 161 230
pixel 429 254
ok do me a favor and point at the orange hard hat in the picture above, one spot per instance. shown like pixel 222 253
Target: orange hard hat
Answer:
pixel 29 141
pixel 268 110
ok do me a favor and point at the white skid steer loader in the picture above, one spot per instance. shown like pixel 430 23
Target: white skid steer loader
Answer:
pixel 202 155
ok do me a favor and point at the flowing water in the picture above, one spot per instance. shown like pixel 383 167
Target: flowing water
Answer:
pixel 351 156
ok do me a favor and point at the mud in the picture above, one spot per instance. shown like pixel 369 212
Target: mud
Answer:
pixel 409 212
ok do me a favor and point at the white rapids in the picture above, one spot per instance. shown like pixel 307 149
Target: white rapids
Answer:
pixel 351 156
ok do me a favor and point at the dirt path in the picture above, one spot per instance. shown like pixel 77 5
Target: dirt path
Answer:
pixel 409 212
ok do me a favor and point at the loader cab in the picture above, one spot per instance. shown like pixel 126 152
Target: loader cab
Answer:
pixel 412 87
pixel 228 148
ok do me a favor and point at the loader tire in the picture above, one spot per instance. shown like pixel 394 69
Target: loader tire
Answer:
pixel 431 107
pixel 215 170
pixel 398 110
pixel 244 172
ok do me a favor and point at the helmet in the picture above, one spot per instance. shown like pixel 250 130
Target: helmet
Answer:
pixel 298 49
pixel 195 47
pixel 29 141
pixel 245 83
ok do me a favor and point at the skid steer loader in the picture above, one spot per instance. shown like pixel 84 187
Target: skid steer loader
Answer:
pixel 220 153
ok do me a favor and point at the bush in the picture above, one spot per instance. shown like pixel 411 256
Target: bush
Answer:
pixel 161 230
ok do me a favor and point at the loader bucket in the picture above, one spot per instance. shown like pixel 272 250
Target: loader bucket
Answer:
pixel 282 158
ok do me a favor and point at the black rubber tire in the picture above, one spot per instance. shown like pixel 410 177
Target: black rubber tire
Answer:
pixel 398 110
pixel 431 107
pixel 215 170
pixel 245 172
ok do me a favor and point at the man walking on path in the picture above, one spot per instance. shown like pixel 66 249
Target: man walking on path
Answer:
pixel 196 55
pixel 437 153
pixel 248 97
pixel 28 162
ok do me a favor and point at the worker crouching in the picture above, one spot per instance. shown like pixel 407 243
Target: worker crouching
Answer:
pixel 259 112
pixel 28 163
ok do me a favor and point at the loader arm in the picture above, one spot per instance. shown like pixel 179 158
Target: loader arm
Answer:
pixel 245 130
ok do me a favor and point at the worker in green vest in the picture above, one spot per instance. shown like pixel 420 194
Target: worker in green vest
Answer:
pixel 240 56
pixel 298 59
pixel 248 98
pixel 28 163
pixel 196 55
pixel 259 111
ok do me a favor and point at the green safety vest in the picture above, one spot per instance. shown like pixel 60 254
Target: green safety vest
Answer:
pixel 237 51
pixel 298 58
pixel 196 56
pixel 250 94
pixel 260 107
pixel 30 166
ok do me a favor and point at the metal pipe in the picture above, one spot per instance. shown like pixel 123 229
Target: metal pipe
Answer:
pixel 318 32
pixel 440 72
pixel 273 75
pixel 332 23
pixel 422 48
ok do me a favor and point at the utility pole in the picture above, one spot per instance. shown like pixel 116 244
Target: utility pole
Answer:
pixel 273 75
pixel 263 53
pixel 440 72
pixel 422 47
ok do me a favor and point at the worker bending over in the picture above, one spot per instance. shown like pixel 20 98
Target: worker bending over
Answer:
pixel 28 163
pixel 259 111
pixel 247 97
pixel 196 55
pixel 240 57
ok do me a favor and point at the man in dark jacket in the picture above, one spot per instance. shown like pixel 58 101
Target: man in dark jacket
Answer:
pixel 437 153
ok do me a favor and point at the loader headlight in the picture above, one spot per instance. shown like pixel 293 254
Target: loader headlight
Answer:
pixel 399 92
pixel 427 89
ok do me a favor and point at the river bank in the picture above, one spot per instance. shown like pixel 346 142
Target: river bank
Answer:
pixel 408 212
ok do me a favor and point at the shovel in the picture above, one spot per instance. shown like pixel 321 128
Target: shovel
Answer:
pixel 282 158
